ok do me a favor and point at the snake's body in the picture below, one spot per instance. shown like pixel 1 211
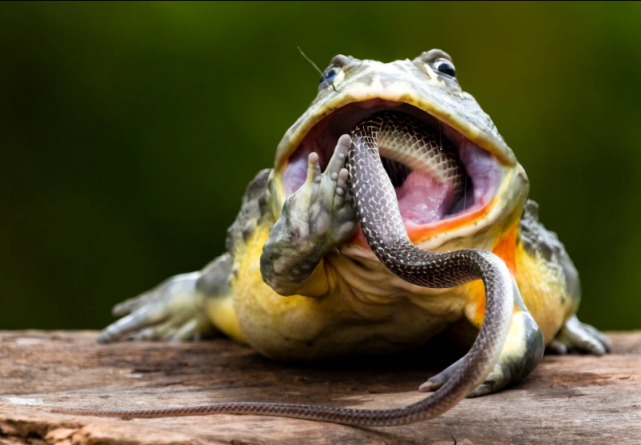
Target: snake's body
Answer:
pixel 377 208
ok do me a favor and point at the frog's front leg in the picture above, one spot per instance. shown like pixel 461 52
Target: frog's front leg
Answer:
pixel 522 352
pixel 315 219
pixel 188 305
pixel 176 309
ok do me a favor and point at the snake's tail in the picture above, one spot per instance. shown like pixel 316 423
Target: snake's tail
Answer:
pixel 474 368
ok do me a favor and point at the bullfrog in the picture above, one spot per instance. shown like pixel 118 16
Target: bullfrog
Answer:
pixel 299 280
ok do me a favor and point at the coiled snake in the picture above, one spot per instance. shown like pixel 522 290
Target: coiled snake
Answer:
pixel 377 208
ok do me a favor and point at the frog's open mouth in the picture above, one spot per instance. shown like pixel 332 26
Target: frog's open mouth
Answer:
pixel 425 204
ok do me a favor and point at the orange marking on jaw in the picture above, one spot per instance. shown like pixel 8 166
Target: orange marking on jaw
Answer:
pixel 505 248
pixel 477 295
pixel 475 307
pixel 420 233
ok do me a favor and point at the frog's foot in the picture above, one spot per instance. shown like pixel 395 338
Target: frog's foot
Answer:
pixel 316 218
pixel 320 208
pixel 577 336
pixel 523 350
pixel 172 311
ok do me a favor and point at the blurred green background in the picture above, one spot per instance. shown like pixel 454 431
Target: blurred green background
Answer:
pixel 129 131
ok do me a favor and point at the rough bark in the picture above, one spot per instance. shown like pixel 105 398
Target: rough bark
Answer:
pixel 568 400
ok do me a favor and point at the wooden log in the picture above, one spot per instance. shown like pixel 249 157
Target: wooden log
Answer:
pixel 576 399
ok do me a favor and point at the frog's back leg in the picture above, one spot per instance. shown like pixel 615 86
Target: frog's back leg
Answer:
pixel 549 286
pixel 551 289
pixel 188 305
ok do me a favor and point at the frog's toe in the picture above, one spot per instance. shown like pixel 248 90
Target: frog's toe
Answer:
pixel 498 379
pixel 521 353
pixel 557 347
pixel 172 311
pixel 191 330
pixel 435 382
pixel 132 324
pixel 133 304
pixel 170 331
pixel 339 158
pixel 577 336
pixel 598 336
pixel 341 188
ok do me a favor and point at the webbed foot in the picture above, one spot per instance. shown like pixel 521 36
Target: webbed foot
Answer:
pixel 523 350
pixel 315 219
pixel 173 311
pixel 577 336
pixel 319 210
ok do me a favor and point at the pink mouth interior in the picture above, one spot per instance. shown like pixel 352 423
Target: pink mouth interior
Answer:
pixel 422 199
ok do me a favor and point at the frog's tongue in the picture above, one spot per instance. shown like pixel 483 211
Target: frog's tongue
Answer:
pixel 422 199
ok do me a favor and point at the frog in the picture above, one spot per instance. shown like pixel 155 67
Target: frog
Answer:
pixel 298 281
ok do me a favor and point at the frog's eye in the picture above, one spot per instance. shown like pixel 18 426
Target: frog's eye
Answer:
pixel 329 75
pixel 332 75
pixel 446 67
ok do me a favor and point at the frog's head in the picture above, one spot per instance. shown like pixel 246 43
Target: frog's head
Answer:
pixel 426 88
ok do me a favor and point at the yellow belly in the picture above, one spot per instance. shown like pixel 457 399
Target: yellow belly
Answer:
pixel 543 288
pixel 342 322
pixel 303 328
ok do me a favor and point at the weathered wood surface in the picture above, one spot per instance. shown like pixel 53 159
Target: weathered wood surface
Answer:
pixel 568 400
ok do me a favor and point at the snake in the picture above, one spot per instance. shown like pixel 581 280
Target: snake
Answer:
pixel 377 210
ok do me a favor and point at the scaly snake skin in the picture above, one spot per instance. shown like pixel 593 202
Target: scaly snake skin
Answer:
pixel 416 145
pixel 377 209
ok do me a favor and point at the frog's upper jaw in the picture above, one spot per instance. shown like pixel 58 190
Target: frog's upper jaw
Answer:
pixel 416 83
pixel 497 183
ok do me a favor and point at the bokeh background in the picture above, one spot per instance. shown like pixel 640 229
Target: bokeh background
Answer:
pixel 129 131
